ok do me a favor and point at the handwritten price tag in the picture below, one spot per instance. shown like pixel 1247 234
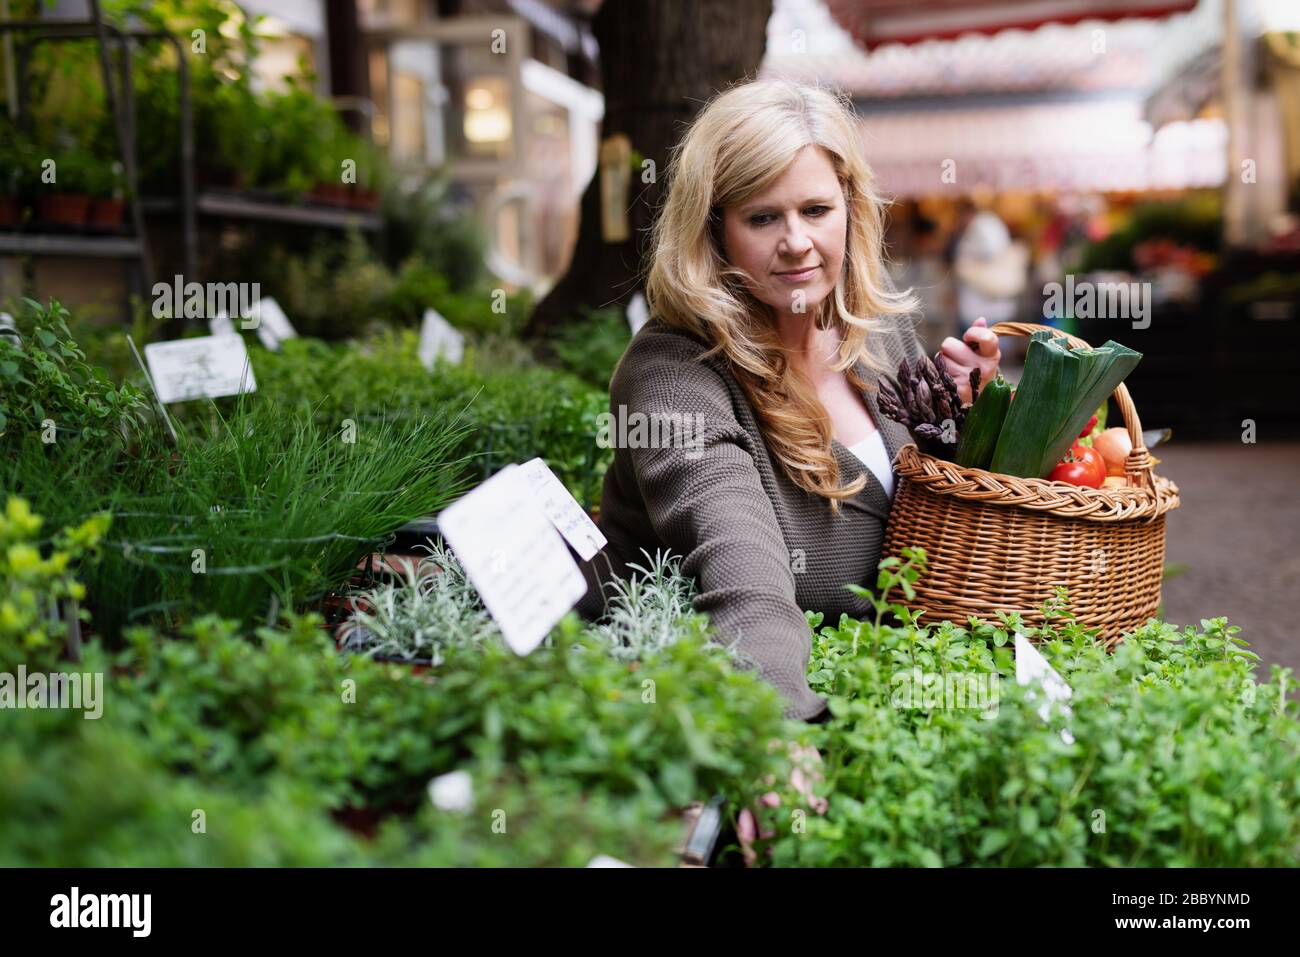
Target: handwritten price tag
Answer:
pixel 563 509
pixel 514 557
pixel 206 367
pixel 1033 667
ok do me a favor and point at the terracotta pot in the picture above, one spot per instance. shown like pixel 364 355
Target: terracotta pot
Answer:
pixel 106 213
pixel 11 211
pixel 365 198
pixel 62 209
pixel 331 194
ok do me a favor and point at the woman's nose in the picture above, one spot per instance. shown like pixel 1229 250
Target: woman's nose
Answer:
pixel 795 242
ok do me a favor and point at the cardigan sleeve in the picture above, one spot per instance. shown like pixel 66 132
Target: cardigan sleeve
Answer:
pixel 705 500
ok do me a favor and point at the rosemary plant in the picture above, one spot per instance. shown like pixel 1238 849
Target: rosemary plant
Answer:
pixel 650 610
pixel 433 606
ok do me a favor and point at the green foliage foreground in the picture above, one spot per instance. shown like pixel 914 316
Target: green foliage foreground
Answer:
pixel 1180 755
pixel 271 742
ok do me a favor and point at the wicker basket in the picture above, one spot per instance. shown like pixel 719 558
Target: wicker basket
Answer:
pixel 998 543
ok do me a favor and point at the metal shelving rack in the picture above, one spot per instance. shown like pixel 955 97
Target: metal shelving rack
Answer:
pixel 121 105
pixel 188 201
pixel 234 206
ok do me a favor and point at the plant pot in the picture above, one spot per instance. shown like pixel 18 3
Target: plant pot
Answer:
pixel 106 214
pixel 62 209
pixel 365 199
pixel 331 194
pixel 11 212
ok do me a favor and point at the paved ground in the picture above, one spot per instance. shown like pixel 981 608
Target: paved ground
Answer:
pixel 1237 533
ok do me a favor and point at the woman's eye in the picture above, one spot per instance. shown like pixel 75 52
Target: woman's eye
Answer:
pixel 762 219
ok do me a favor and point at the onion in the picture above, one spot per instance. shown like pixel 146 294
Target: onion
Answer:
pixel 1114 446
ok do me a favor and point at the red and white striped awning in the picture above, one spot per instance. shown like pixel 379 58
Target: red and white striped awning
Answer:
pixel 873 23
pixel 1104 146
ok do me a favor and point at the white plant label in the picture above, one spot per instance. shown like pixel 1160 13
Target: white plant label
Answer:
pixel 273 326
pixel 220 325
pixel 568 517
pixel 514 557
pixel 206 367
pixel 438 337
pixel 1033 667
pixel 453 791
pixel 638 314
pixel 604 860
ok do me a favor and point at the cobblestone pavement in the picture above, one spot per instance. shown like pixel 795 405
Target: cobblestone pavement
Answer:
pixel 1236 533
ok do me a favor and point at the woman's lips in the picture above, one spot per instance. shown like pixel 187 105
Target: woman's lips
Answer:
pixel 802 276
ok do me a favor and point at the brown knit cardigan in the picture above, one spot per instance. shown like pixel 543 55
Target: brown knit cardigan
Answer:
pixel 761 549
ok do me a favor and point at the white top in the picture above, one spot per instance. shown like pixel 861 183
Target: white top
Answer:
pixel 874 456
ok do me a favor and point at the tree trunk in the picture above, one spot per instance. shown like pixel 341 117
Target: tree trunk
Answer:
pixel 660 62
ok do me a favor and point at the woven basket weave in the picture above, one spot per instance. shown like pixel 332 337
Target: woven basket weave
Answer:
pixel 999 543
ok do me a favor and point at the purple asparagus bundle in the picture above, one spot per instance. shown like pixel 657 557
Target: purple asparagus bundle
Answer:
pixel 924 398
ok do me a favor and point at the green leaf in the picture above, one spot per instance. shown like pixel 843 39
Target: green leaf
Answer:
pixel 678 782
pixel 1248 827
pixel 1028 820
pixel 992 842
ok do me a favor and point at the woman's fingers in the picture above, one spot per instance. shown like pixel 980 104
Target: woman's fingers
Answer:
pixel 808 771
pixel 746 832
pixel 958 359
pixel 959 353
pixel 980 350
pixel 981 341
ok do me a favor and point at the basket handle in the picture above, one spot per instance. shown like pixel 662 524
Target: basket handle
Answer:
pixel 1137 465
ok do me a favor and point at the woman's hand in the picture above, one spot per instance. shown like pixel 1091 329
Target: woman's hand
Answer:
pixel 979 348
pixel 806 771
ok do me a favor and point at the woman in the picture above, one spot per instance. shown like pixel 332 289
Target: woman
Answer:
pixel 772 319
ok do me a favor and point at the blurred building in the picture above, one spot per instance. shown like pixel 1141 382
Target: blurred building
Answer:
pixel 502 91
pixel 499 93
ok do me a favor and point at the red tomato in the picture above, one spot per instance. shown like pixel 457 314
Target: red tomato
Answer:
pixel 1081 466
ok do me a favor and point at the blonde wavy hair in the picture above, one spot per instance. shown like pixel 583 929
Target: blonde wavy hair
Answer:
pixel 739 144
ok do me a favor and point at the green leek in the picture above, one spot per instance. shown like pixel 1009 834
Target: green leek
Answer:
pixel 1058 392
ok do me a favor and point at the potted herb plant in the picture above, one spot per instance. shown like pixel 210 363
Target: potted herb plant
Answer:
pixel 65 202
pixel 107 186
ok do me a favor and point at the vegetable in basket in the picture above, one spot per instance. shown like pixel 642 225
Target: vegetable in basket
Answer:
pixel 1081 466
pixel 925 399
pixel 979 435
pixel 1114 446
pixel 1059 391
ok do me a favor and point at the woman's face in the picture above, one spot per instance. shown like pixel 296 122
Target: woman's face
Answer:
pixel 789 239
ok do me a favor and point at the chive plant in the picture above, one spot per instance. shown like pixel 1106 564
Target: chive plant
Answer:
pixel 254 511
